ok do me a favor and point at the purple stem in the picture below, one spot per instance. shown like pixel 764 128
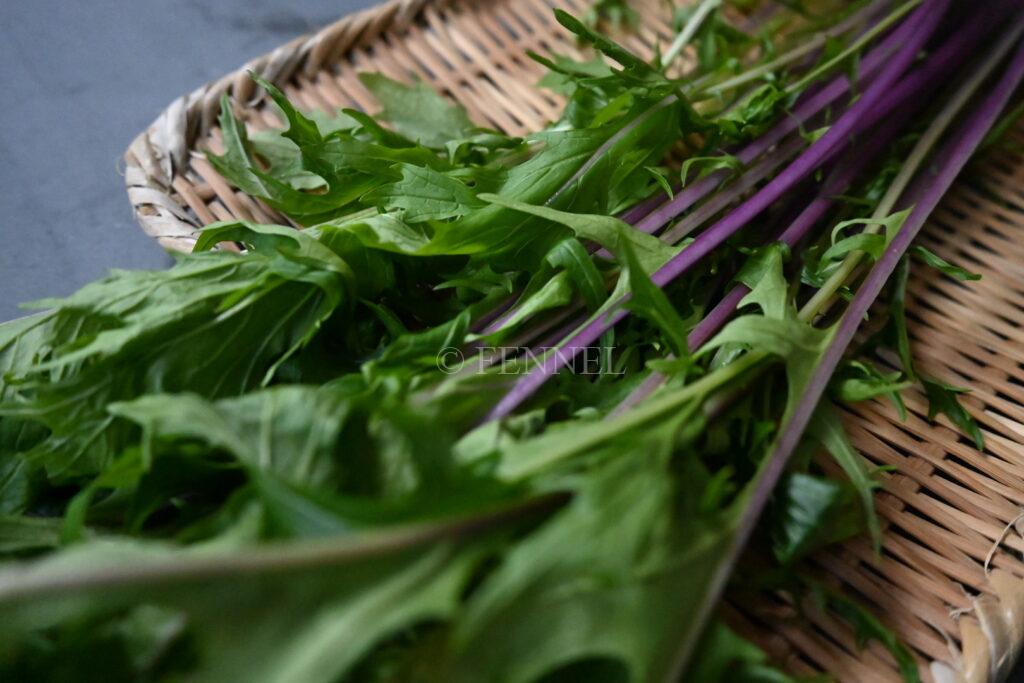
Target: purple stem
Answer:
pixel 639 215
pixel 811 104
pixel 956 49
pixel 806 109
pixel 526 335
pixel 911 89
pixel 751 177
pixel 928 190
pixel 847 169
pixel 483 323
pixel 558 335
pixel 912 34
pixel 919 28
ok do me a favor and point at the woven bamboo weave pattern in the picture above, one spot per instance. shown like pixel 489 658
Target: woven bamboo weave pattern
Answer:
pixel 950 580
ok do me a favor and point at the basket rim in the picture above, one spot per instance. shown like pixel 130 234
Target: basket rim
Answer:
pixel 155 156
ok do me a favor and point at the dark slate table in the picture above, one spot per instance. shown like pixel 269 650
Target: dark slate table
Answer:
pixel 78 81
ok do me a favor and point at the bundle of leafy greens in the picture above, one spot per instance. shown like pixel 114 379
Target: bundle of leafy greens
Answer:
pixel 502 409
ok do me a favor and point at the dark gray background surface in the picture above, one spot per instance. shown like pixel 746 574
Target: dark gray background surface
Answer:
pixel 78 80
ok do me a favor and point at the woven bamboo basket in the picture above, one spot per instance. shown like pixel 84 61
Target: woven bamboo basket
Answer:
pixel 950 579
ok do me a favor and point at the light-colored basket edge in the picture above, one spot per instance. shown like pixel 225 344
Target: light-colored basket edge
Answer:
pixel 992 634
pixel 159 152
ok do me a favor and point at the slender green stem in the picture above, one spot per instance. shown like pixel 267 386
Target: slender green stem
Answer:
pixel 763 70
pixel 703 10
pixel 190 567
pixel 823 298
pixel 814 44
pixel 529 457
pixel 859 44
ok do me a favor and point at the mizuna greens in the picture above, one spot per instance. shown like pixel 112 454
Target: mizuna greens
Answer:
pixel 504 409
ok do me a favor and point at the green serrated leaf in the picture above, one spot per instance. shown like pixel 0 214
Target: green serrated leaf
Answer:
pixel 827 429
pixel 648 301
pixel 417 112
pixel 928 257
pixel 608 231
pixel 423 194
pixel 762 273
pixel 944 399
